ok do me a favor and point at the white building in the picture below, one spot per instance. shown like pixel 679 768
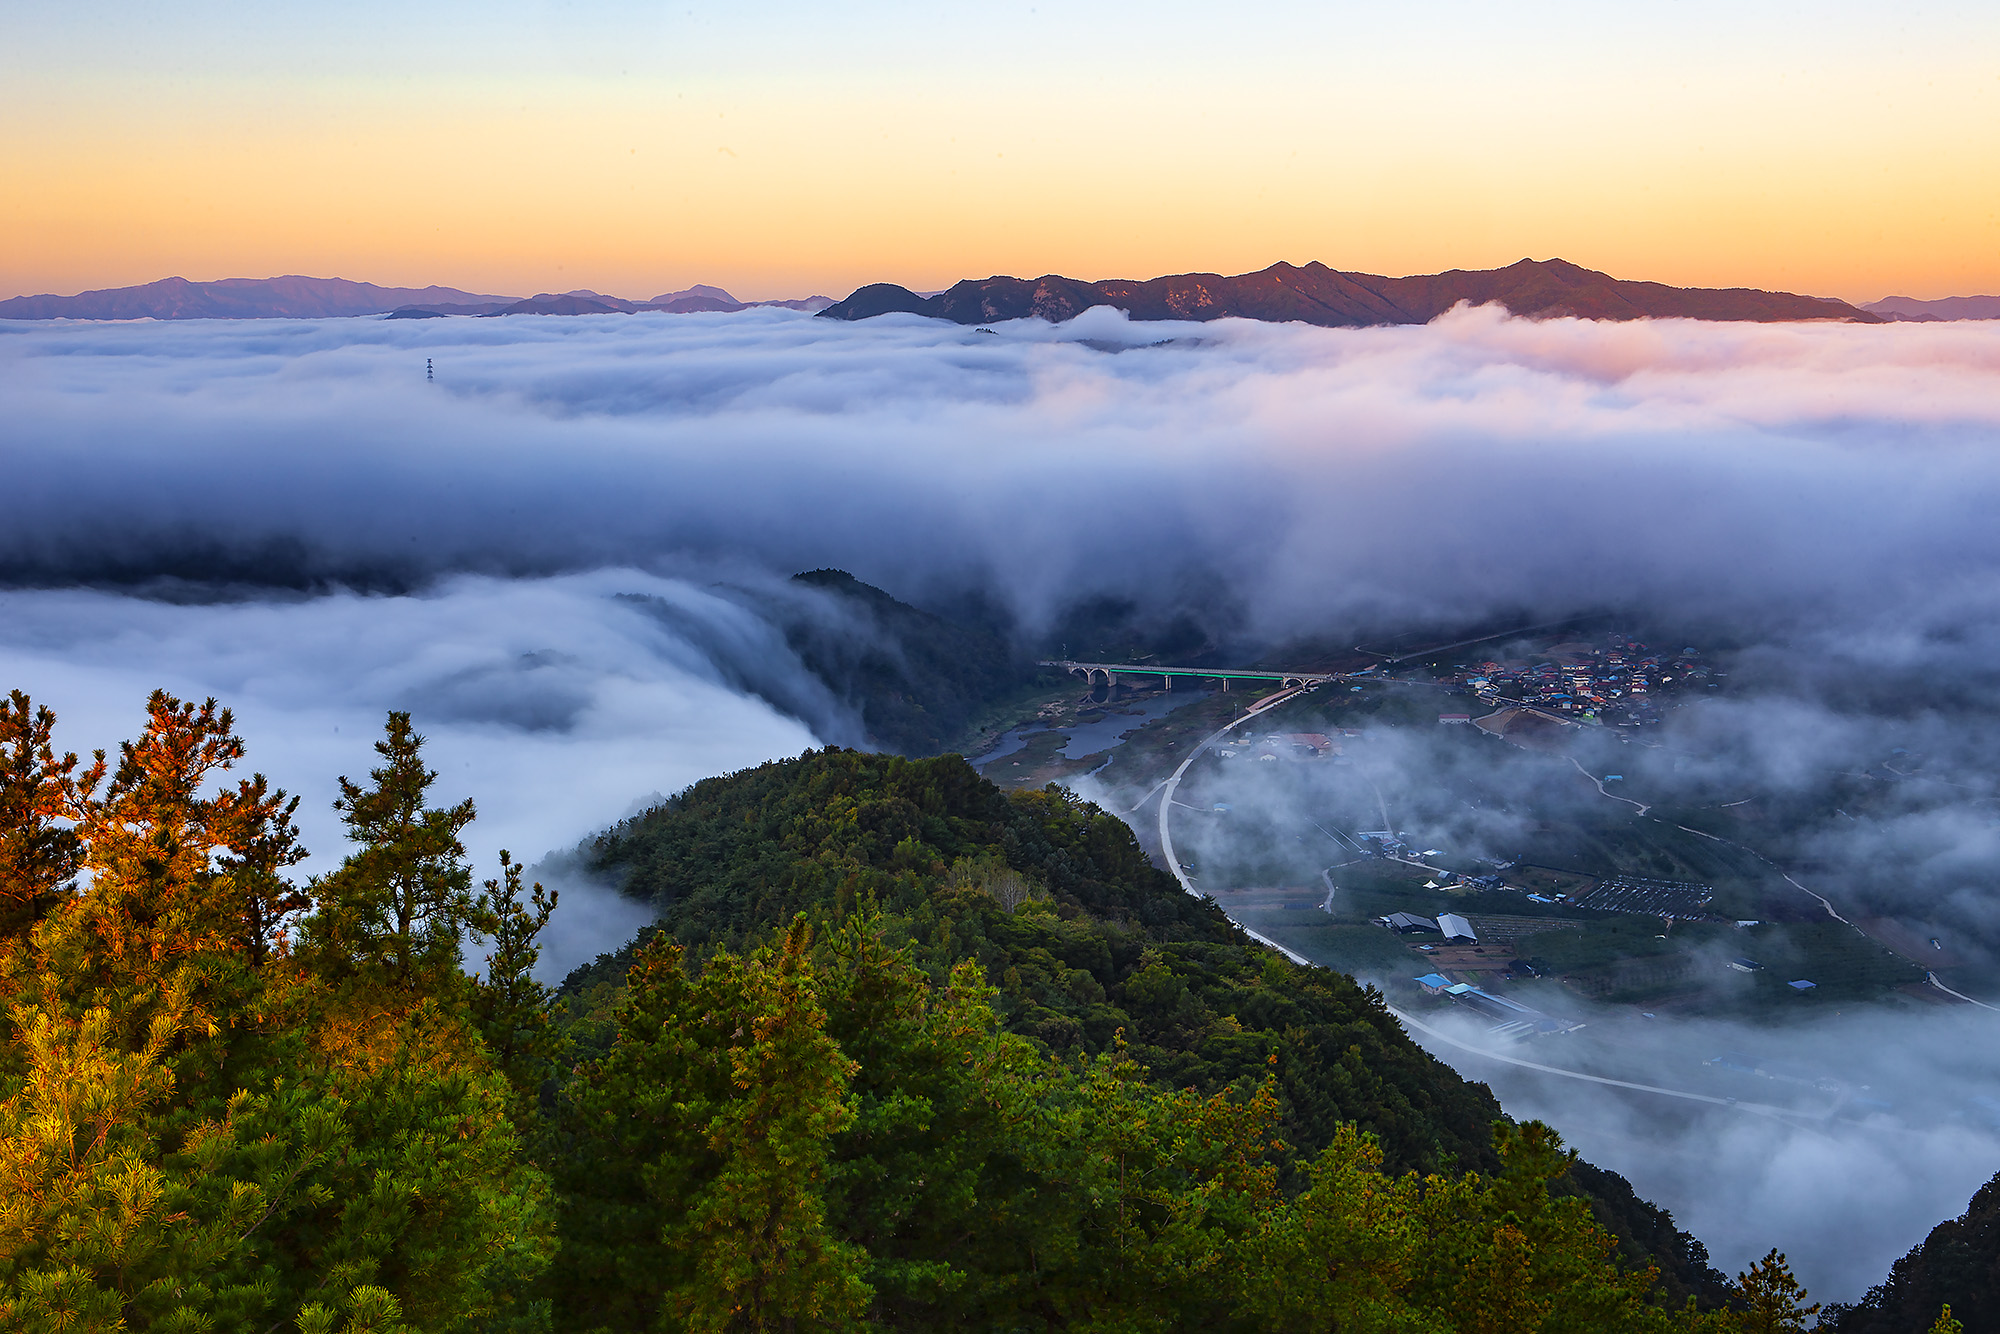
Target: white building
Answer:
pixel 1457 929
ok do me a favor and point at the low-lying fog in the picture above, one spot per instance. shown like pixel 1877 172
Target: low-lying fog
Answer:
pixel 1889 1113
pixel 189 504
pixel 1844 1195
pixel 555 702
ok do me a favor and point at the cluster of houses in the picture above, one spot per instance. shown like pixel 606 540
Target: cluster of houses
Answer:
pixel 1621 683
pixel 1388 843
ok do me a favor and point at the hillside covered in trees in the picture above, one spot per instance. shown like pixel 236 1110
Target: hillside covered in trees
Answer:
pixel 870 1075
pixel 1956 1266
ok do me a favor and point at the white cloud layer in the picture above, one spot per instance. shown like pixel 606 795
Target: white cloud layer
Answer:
pixel 1844 1195
pixel 1828 490
pixel 1751 469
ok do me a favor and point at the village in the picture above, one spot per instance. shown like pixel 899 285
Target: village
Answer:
pixel 1621 683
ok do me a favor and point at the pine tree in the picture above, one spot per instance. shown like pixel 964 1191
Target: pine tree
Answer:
pixel 721 1099
pixel 400 905
pixel 1344 1251
pixel 198 1130
pixel 1773 1300
pixel 260 843
pixel 184 890
pixel 939 1176
pixel 41 799
pixel 511 1008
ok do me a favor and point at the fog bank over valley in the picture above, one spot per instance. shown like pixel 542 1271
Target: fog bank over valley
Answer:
pixel 1845 1195
pixel 1296 477
pixel 569 555
pixel 558 704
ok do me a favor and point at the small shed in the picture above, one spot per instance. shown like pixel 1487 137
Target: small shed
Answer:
pixel 1801 985
pixel 1433 983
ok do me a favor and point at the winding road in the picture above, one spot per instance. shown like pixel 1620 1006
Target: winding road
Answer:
pixel 1173 782
pixel 1603 791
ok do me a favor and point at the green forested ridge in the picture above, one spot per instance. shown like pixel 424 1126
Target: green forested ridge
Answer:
pixel 1108 943
pixel 1105 945
pixel 1957 1266
pixel 230 1101
pixel 826 1138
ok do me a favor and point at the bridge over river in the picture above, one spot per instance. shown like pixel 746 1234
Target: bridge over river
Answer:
pixel 1109 673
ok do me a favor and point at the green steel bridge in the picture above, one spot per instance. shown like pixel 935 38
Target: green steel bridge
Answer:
pixel 1109 673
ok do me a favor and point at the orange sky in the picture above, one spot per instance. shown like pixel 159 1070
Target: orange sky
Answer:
pixel 1835 150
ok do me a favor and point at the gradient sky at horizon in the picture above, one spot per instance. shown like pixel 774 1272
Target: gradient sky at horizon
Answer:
pixel 778 148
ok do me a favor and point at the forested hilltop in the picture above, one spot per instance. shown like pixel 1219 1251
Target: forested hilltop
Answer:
pixel 869 1076
pixel 1957 1265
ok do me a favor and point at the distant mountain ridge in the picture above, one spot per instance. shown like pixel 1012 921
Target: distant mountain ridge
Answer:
pixel 1944 308
pixel 1311 293
pixel 290 297
pixel 689 301
pixel 1315 294
pixel 301 298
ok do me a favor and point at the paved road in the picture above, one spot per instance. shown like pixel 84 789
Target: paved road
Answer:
pixel 1173 782
pixel 1643 807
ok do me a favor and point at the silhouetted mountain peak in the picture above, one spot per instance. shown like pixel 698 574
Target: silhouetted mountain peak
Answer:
pixel 702 290
pixel 1315 294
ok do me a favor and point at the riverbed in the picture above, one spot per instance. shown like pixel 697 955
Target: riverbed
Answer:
pixel 1103 733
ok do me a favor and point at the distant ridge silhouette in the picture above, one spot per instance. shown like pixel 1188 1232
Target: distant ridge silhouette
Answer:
pixel 1315 294
pixel 690 301
pixel 302 298
pixel 291 297
pixel 1944 308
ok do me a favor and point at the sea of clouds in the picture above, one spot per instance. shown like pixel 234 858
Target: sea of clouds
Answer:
pixel 1793 470
pixel 541 548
